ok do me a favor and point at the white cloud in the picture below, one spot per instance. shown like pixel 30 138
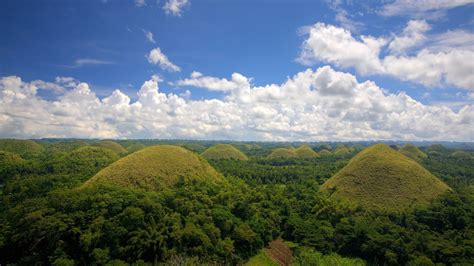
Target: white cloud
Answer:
pixel 140 3
pixel 214 84
pixel 409 7
pixel 443 61
pixel 157 57
pixel 412 35
pixel 175 7
pixel 149 36
pixel 321 104
pixel 89 61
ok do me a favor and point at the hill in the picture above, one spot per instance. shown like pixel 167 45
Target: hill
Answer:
pixel 86 160
pixel 324 153
pixel 413 152
pixel 194 147
pixel 135 147
pixel 282 153
pixel 111 145
pixel 381 178
pixel 223 151
pixel 305 151
pixel 341 150
pixel 23 148
pixel 155 168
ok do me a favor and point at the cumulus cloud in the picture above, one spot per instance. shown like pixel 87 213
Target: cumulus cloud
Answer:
pixel 321 104
pixel 156 57
pixel 412 35
pixel 409 7
pixel 214 84
pixel 175 7
pixel 443 61
pixel 149 36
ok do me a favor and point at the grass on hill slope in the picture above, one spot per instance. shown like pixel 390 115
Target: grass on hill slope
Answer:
pixel 282 153
pixel 88 158
pixel 223 151
pixel 324 153
pixel 135 147
pixel 341 150
pixel 305 151
pixel 24 148
pixel 413 152
pixel 155 168
pixel 111 145
pixel 381 178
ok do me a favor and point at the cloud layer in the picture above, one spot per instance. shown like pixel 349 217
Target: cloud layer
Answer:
pixel 443 61
pixel 321 104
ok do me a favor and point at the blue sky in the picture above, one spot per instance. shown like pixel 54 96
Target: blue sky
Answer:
pixel 104 44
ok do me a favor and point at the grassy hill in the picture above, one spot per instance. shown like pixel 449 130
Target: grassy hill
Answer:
pixel 381 178
pixel 24 148
pixel 88 159
pixel 155 168
pixel 413 152
pixel 282 153
pixel 135 147
pixel 341 150
pixel 324 153
pixel 111 145
pixel 305 152
pixel 223 151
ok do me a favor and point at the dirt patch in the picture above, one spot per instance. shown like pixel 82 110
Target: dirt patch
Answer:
pixel 279 252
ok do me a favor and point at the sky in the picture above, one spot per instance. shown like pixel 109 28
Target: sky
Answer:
pixel 282 70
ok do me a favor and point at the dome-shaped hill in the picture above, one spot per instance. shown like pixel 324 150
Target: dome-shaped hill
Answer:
pixel 24 148
pixel 155 168
pixel 111 145
pixel 325 147
pixel 9 164
pixel 413 152
pixel 461 155
pixel 86 160
pixel 381 178
pixel 341 150
pixel 282 153
pixel 66 146
pixel 223 151
pixel 135 147
pixel 437 148
pixel 324 153
pixel 305 152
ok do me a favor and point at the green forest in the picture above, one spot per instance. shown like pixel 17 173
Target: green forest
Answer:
pixel 149 202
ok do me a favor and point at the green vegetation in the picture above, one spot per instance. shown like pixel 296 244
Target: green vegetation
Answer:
pixel 198 148
pixel 341 150
pixel 411 151
pixel 261 259
pixel 24 148
pixel 308 256
pixel 88 158
pixel 325 153
pixel 49 217
pixel 11 164
pixel 381 178
pixel 461 155
pixel 305 152
pixel 156 168
pixel 223 151
pixel 111 145
pixel 282 153
pixel 135 147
